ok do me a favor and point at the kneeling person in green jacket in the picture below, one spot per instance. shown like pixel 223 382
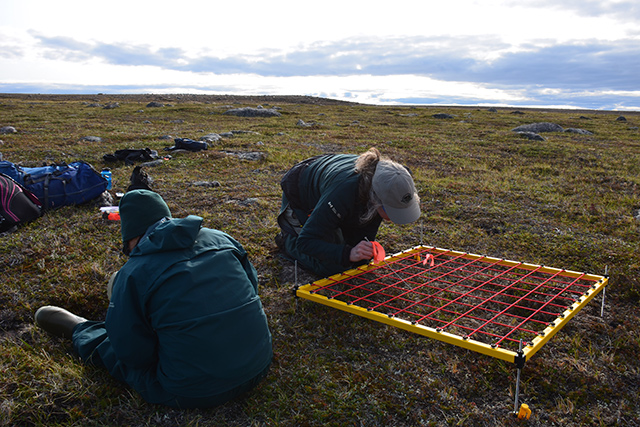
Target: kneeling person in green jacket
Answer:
pixel 333 205
pixel 185 326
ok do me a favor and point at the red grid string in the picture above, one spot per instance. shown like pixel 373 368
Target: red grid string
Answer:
pixel 484 299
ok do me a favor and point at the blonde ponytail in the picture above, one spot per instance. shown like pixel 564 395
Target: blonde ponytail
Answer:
pixel 365 166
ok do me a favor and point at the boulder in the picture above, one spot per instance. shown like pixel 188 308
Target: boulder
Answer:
pixel 304 124
pixel 539 127
pixel 253 156
pixel 211 137
pixel 578 131
pixel 7 129
pixel 531 136
pixel 92 139
pixel 210 184
pixel 253 112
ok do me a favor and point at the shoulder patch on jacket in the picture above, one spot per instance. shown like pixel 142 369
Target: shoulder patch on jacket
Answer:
pixel 333 209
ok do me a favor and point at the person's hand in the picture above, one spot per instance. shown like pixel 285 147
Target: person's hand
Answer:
pixel 363 250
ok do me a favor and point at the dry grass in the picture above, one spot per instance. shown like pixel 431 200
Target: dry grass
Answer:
pixel 567 202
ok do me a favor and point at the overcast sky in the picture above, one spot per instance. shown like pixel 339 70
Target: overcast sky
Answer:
pixel 562 53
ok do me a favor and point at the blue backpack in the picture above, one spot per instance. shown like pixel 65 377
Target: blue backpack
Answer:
pixel 58 185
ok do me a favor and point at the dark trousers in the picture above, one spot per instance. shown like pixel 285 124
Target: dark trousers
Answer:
pixel 92 344
pixel 291 228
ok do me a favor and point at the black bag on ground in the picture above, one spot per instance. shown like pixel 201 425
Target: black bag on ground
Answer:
pixel 188 144
pixel 17 204
pixel 130 156
pixel 59 185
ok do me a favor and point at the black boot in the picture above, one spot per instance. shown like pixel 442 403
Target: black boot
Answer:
pixel 57 321
pixel 139 180
pixel 280 241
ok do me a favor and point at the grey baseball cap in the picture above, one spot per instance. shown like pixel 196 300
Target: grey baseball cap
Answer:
pixel 394 186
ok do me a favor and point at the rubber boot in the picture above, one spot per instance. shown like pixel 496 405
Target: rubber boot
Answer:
pixel 139 180
pixel 57 321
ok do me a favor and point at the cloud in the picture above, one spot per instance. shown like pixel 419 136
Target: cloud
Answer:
pixel 11 52
pixel 367 92
pixel 579 65
pixel 465 70
pixel 623 10
pixel 69 49
pixel 137 55
pixel 587 65
pixel 63 48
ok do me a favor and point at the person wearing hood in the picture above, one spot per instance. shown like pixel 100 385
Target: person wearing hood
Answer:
pixel 185 326
pixel 333 205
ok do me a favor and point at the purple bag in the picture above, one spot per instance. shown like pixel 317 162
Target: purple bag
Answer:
pixel 17 204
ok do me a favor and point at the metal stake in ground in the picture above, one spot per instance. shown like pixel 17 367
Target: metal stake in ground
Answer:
pixel 515 405
pixel 604 290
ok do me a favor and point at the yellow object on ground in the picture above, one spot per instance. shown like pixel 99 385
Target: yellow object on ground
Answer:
pixel 484 304
pixel 524 411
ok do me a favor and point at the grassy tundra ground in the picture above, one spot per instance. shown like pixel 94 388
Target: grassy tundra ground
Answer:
pixel 570 201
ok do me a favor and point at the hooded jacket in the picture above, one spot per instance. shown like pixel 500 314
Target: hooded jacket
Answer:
pixel 185 317
pixel 329 204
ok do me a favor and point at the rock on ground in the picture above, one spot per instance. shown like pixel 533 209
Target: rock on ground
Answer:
pixel 254 156
pixel 211 137
pixel 578 131
pixel 253 112
pixel 532 136
pixel 539 127
pixel 92 139
pixel 8 129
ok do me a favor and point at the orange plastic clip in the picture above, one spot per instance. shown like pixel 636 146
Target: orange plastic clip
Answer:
pixel 427 258
pixel 378 252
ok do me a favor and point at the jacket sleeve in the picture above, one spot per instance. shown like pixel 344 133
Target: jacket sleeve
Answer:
pixel 128 328
pixel 321 236
pixel 248 267
pixel 367 231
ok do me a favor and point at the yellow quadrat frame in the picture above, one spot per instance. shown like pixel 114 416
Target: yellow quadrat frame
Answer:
pixel 500 308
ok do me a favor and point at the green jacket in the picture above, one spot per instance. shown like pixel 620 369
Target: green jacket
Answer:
pixel 185 316
pixel 330 210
